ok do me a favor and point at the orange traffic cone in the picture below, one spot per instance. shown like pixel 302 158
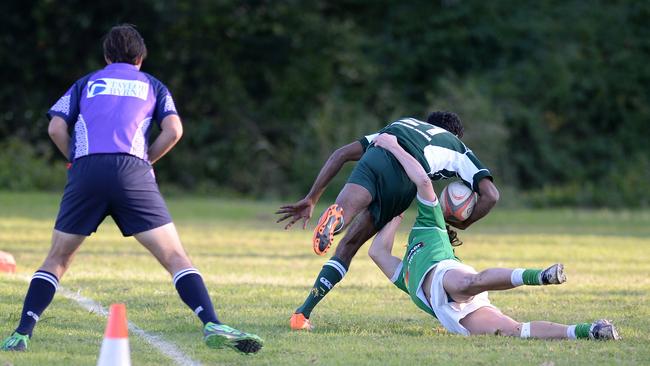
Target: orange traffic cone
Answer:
pixel 115 347
pixel 7 262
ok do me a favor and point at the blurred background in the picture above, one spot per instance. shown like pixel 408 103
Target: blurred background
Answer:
pixel 554 95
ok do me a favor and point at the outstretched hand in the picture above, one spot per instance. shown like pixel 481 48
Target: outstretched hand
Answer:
pixel 301 210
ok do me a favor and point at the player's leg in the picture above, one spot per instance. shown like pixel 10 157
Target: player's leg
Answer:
pixel 335 269
pixel 164 243
pixel 81 211
pixel 357 194
pixel 42 287
pixel 361 231
pixel 392 192
pixel 379 185
pixel 489 320
pixel 139 210
pixel 462 283
pixel 351 200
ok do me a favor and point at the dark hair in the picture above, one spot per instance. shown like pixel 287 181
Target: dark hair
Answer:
pixel 447 120
pixel 124 44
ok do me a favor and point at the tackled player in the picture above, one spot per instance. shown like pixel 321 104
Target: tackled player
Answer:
pixel 451 291
pixel 378 189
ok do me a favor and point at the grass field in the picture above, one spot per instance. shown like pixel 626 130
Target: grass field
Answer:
pixel 258 274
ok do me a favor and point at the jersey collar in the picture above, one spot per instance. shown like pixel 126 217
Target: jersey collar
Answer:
pixel 120 66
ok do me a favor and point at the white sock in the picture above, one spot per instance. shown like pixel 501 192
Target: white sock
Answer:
pixel 571 332
pixel 525 330
pixel 517 277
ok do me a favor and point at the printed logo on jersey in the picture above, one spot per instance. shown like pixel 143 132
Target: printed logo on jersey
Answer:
pixel 118 87
pixel 416 248
pixel 442 174
pixel 96 87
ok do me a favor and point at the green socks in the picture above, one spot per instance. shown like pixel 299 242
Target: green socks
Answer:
pixel 532 276
pixel 522 276
pixel 582 330
pixel 332 273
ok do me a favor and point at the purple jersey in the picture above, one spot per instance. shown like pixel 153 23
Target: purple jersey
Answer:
pixel 112 110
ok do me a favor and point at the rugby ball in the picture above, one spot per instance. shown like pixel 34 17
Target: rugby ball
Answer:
pixel 457 201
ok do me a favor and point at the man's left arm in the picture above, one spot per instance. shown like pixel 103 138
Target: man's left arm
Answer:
pixel 171 131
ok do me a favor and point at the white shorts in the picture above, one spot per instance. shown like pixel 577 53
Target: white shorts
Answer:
pixel 451 313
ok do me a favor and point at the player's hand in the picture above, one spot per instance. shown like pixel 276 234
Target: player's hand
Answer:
pixel 385 141
pixel 462 225
pixel 453 237
pixel 301 210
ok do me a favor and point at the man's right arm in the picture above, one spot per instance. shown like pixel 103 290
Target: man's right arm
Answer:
pixel 58 131
pixel 349 152
pixel 488 196
pixel 304 208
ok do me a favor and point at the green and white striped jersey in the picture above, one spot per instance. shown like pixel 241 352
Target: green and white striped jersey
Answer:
pixel 441 153
pixel 428 244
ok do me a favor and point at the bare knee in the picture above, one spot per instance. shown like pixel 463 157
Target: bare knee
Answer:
pixel 57 263
pixel 510 330
pixel 59 259
pixel 498 328
pixel 467 283
pixel 175 261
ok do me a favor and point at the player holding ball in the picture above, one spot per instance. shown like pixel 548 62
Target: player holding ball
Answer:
pixel 378 189
pixel 453 292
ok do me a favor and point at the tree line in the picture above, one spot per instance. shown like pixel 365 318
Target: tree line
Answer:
pixel 554 95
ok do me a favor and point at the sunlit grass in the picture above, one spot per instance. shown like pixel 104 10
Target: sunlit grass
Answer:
pixel 258 274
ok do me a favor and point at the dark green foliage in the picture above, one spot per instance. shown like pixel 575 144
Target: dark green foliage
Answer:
pixel 24 167
pixel 554 95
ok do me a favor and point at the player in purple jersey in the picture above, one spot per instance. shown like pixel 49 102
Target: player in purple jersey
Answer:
pixel 110 113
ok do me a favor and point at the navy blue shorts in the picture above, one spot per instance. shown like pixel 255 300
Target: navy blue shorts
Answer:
pixel 119 185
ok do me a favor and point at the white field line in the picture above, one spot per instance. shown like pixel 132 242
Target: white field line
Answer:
pixel 166 348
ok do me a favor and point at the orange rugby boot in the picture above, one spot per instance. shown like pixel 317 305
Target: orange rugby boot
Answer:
pixel 330 222
pixel 299 322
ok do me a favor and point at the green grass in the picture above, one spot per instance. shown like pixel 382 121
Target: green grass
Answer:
pixel 258 274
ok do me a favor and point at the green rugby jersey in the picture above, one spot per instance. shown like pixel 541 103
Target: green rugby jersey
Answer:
pixel 441 153
pixel 428 245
